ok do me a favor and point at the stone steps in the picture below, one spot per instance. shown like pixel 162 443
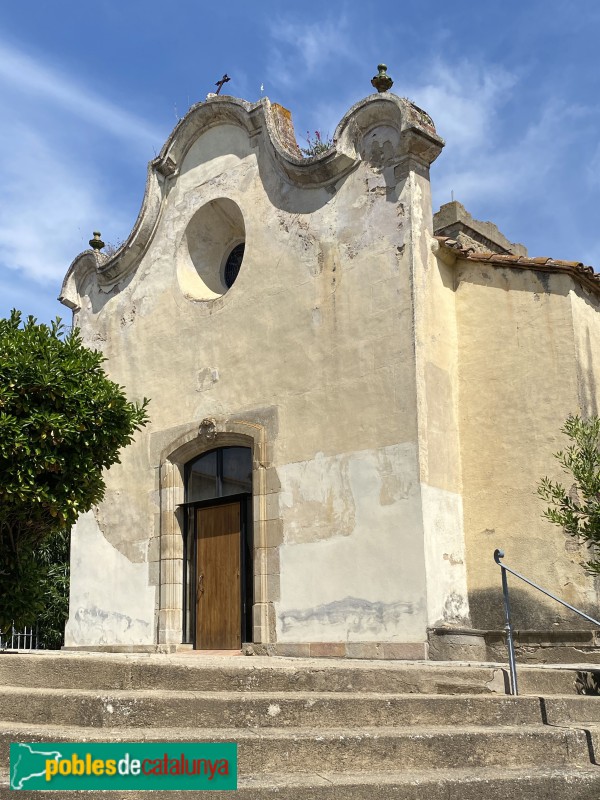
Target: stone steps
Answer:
pixel 126 708
pixel 375 749
pixel 268 674
pixel 311 729
pixel 456 784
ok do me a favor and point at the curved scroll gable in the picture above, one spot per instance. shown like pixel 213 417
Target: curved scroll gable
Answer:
pixel 111 269
pixel 82 266
pixel 411 133
pixel 416 132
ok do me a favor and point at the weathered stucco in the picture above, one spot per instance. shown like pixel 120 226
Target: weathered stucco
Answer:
pixel 319 325
pixel 335 589
pixel 586 327
pixel 110 599
pixel 519 379
pixel 401 400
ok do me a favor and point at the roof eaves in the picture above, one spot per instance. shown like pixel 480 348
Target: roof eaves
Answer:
pixel 579 271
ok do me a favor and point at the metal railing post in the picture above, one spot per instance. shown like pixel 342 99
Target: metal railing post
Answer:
pixel 514 688
pixel 498 554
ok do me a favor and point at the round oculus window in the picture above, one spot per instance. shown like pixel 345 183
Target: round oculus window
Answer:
pixel 211 250
pixel 233 264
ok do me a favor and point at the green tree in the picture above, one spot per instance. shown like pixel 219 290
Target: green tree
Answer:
pixel 53 557
pixel 62 422
pixel 36 588
pixel 577 509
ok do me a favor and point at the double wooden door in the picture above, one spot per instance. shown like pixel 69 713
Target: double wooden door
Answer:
pixel 218 577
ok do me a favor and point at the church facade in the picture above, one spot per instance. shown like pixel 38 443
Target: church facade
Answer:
pixel 348 412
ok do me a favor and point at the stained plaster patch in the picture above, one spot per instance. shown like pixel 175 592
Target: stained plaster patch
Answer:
pixel 95 610
pixel 317 570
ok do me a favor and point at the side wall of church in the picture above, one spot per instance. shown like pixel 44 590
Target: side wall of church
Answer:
pixel 526 341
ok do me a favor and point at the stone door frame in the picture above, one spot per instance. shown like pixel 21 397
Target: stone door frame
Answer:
pixel 186 445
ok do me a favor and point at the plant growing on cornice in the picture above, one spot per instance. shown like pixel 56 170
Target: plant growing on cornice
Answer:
pixel 577 510
pixel 62 423
pixel 110 248
pixel 316 144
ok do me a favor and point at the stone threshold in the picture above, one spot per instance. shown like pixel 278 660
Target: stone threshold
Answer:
pixel 444 644
pixel 398 651
pixel 386 651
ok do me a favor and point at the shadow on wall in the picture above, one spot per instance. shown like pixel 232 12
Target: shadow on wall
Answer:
pixel 589 401
pixel 527 611
pixel 97 296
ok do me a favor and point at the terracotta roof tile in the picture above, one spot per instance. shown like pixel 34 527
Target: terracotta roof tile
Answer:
pixel 585 275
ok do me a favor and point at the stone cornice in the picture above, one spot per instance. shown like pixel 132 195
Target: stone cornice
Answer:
pixel 418 140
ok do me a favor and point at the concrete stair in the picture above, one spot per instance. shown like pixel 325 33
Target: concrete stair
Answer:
pixel 315 729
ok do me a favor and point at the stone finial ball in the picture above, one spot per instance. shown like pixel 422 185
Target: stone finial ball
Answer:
pixel 382 81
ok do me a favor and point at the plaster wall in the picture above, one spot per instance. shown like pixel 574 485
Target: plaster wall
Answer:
pixel 586 328
pixel 110 599
pixel 318 327
pixel 337 587
pixel 437 413
pixel 518 380
pixel 401 404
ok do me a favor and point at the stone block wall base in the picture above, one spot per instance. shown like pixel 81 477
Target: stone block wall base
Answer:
pixel 457 644
pixel 400 651
pixel 554 646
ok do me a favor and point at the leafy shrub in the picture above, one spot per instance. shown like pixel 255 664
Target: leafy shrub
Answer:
pixel 62 422
pixel 577 509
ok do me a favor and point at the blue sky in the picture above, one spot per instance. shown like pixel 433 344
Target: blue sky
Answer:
pixel 90 91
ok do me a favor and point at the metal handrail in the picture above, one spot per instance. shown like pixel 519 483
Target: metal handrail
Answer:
pixel 499 554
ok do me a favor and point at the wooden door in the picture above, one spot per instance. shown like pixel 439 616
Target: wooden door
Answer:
pixel 218 586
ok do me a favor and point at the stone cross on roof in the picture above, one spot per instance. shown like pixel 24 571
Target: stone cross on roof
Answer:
pixel 219 84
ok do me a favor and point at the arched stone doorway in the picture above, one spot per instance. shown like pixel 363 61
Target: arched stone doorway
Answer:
pixel 218 549
pixel 172 451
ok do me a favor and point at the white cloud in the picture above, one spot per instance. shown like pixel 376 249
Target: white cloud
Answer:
pixel 524 164
pixel 593 169
pixel 47 201
pixel 53 149
pixel 529 172
pixel 464 100
pixel 16 291
pixel 484 156
pixel 300 49
pixel 20 71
